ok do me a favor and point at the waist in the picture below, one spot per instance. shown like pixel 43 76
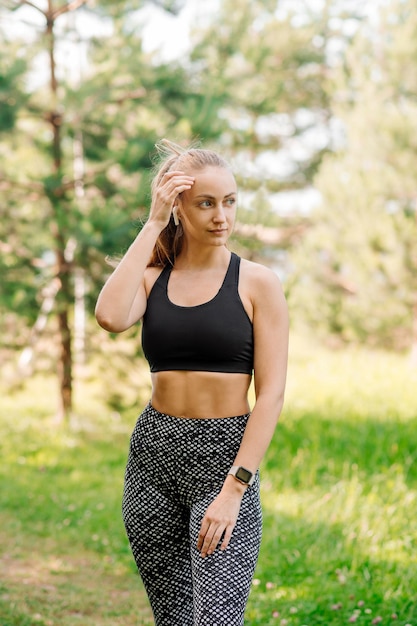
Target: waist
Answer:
pixel 201 395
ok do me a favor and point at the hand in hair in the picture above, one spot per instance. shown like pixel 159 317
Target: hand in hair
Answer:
pixel 171 184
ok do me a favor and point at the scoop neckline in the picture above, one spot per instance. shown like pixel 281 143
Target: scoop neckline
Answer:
pixel 196 306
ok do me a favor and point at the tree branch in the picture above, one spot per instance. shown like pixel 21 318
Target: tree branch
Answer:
pixel 72 6
pixel 137 94
pixel 33 186
pixel 30 4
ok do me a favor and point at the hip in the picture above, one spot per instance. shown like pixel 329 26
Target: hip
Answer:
pixel 184 456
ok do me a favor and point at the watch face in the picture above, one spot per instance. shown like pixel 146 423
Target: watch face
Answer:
pixel 243 474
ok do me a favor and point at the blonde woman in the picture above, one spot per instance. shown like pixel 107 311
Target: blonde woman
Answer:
pixel 210 321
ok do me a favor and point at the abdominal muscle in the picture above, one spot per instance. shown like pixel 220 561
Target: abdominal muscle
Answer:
pixel 200 395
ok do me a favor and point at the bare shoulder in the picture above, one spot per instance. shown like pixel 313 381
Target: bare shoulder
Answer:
pixel 259 282
pixel 263 296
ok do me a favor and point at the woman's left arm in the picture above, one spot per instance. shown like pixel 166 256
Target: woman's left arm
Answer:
pixel 270 328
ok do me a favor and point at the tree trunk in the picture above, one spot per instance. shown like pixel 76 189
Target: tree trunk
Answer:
pixel 48 295
pixel 79 316
pixel 62 266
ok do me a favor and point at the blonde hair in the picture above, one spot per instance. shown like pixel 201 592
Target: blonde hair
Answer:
pixel 169 243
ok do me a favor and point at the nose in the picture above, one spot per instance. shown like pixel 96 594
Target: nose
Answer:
pixel 219 215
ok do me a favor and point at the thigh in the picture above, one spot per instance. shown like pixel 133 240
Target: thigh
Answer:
pixel 157 528
pixel 222 581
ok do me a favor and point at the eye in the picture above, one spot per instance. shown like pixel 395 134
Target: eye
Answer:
pixel 231 201
pixel 205 204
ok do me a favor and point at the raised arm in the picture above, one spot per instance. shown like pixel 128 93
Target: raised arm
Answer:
pixel 122 301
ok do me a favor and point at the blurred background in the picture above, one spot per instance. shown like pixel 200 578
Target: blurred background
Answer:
pixel 314 102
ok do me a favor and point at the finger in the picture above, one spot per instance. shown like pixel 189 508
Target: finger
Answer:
pixel 226 538
pixel 206 547
pixel 211 540
pixel 202 534
pixel 176 177
pixel 205 538
pixel 215 541
pixel 175 186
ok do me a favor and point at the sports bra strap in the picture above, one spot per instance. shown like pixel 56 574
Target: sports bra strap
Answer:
pixel 163 278
pixel 232 274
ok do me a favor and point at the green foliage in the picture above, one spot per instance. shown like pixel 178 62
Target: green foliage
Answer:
pixel 260 79
pixel 356 269
pixel 12 96
pixel 262 65
pixel 76 168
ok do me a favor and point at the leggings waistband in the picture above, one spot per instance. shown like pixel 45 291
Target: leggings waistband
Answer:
pixel 187 449
pixel 206 420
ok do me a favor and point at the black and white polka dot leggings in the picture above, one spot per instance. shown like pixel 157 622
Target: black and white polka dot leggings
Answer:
pixel 176 467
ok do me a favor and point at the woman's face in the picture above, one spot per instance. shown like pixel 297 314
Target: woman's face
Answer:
pixel 207 211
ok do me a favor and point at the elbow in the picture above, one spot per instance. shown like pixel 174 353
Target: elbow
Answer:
pixel 106 322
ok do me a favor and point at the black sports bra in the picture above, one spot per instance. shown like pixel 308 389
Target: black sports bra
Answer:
pixel 216 336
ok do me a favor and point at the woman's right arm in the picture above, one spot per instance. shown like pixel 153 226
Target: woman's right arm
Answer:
pixel 122 301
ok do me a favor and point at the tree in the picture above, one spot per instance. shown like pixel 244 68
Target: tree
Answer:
pixel 79 153
pixel 76 157
pixel 357 268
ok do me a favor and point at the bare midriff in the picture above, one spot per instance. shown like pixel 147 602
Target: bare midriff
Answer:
pixel 200 395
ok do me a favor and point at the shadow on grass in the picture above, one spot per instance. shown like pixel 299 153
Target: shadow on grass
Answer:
pixel 65 558
pixel 44 583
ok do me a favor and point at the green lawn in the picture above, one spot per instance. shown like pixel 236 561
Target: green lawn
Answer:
pixel 339 497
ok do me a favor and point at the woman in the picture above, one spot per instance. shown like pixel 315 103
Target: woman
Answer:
pixel 191 502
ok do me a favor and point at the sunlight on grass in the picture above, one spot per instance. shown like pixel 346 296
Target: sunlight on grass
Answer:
pixel 361 382
pixel 339 490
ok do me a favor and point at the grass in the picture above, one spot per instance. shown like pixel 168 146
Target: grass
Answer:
pixel 339 498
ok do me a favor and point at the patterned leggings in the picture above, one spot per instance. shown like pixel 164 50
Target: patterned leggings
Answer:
pixel 176 467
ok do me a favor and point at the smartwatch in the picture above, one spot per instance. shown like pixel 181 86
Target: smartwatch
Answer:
pixel 242 474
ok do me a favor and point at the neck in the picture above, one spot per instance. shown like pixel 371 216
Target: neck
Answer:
pixel 215 256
